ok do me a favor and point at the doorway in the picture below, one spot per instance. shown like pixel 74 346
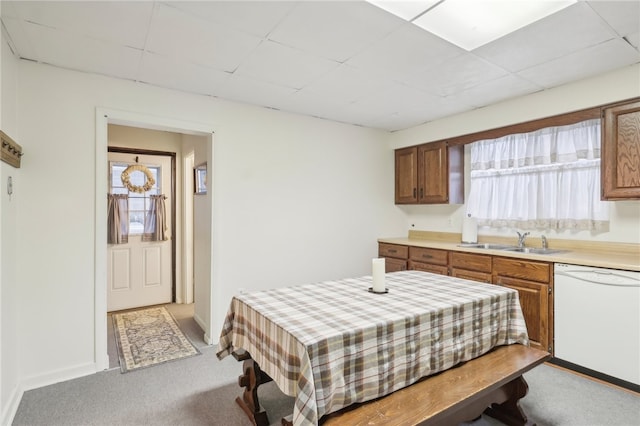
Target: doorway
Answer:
pixel 203 287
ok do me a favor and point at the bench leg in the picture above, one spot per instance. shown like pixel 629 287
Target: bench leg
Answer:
pixel 509 412
pixel 250 380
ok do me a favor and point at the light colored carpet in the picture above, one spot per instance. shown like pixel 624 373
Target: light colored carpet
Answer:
pixel 149 336
pixel 202 390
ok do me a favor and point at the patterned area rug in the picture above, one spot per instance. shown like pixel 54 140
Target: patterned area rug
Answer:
pixel 149 337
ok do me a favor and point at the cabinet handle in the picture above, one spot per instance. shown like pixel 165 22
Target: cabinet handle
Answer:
pixel 421 192
pixel 427 256
pixel 392 251
pixel 414 193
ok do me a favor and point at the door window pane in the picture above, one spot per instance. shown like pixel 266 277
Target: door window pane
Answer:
pixel 138 203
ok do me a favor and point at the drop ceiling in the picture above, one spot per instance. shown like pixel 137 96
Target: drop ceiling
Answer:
pixel 346 61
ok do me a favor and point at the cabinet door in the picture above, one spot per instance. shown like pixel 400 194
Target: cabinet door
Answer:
pixel 620 166
pixel 406 176
pixel 534 301
pixel 433 173
pixel 395 265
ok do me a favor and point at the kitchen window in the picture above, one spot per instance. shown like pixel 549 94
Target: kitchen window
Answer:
pixel 546 179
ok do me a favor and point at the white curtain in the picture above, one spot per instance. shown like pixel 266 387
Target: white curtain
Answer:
pixel 548 179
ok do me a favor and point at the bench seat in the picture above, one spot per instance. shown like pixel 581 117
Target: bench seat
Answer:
pixel 492 383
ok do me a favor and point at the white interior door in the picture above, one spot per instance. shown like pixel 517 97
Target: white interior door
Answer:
pixel 139 273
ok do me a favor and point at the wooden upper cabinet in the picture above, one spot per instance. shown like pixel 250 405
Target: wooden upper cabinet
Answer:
pixel 407 175
pixel 620 167
pixel 431 173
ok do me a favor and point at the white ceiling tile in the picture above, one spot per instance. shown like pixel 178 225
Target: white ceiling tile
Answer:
pixel 168 72
pixel 19 37
pixel 311 103
pixel 405 51
pixel 252 91
pixel 258 18
pixel 634 39
pixel 571 29
pixel 395 98
pixel 335 33
pixel 198 41
pixel 507 87
pixel 120 22
pixel 284 66
pixel 455 75
pixel 64 49
pixel 592 61
pixel 623 16
pixel 346 83
pixel 275 53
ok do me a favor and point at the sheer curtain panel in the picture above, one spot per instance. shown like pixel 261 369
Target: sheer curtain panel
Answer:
pixel 155 227
pixel 548 179
pixel 117 218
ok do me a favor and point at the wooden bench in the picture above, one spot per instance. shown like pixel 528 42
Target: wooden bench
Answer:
pixel 492 384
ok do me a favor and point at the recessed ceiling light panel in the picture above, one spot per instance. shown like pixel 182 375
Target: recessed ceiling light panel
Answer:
pixel 406 10
pixel 473 23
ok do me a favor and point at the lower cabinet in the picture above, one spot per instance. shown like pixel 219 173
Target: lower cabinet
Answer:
pixel 532 279
pixel 534 283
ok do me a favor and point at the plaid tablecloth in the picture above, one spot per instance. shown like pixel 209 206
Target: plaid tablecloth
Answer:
pixel 332 344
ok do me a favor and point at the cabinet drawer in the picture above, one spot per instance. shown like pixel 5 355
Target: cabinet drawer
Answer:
pixel 427 255
pixel 394 265
pixel 393 250
pixel 522 269
pixel 427 267
pixel 471 262
pixel 482 277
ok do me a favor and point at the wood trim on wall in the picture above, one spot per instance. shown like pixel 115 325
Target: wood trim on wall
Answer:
pixel 529 126
pixel 533 125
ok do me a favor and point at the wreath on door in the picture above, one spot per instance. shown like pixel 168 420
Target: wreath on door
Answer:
pixel 126 178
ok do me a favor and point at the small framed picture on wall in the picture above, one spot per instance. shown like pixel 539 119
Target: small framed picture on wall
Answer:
pixel 200 179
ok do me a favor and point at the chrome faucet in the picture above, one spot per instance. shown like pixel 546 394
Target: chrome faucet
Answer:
pixel 521 238
pixel 544 242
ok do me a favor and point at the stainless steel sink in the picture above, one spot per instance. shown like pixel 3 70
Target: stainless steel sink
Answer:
pixel 488 246
pixel 506 247
pixel 535 250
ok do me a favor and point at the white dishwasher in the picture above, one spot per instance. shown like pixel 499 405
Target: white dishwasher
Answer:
pixel 597 320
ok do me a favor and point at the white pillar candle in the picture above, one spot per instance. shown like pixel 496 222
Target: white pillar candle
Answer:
pixel 378 266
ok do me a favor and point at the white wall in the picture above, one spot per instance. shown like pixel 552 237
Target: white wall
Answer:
pixel 10 391
pixel 296 200
pixel 611 87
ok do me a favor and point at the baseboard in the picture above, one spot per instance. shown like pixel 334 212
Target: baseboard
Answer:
pixel 9 412
pixel 34 382
pixel 201 323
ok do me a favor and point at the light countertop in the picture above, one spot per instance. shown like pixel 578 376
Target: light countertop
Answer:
pixel 607 255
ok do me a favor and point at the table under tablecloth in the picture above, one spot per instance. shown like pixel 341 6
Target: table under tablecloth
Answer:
pixel 335 343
